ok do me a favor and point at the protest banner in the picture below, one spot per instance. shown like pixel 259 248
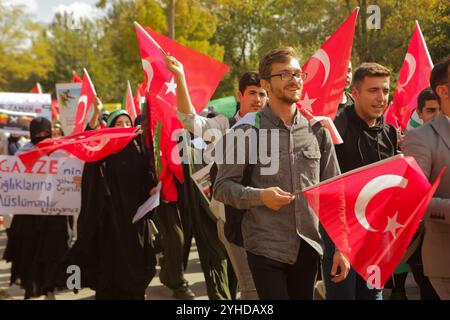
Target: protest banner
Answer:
pixel 48 188
pixel 18 109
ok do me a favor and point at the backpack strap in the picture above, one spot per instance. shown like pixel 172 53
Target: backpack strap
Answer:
pixel 231 121
pixel 319 131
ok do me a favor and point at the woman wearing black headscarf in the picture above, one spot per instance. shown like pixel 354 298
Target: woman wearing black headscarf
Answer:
pixel 115 256
pixel 36 243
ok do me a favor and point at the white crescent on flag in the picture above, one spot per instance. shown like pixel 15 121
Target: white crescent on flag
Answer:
pixel 373 187
pixel 148 72
pixel 83 100
pixel 323 57
pixel 411 68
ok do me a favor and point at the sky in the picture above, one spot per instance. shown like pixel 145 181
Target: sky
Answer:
pixel 43 10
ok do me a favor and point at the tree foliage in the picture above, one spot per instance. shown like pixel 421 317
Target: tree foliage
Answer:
pixel 24 52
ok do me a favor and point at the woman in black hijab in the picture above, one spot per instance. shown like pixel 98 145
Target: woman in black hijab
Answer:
pixel 115 256
pixel 36 243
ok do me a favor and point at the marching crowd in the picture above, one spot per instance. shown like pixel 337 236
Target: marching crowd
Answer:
pixel 257 237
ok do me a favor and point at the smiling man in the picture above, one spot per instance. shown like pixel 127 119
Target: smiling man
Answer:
pixel 367 139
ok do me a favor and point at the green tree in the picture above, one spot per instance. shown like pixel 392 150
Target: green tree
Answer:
pixel 79 45
pixel 195 25
pixel 24 54
pixel 234 31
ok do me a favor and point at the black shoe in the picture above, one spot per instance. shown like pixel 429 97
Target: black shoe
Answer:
pixel 183 293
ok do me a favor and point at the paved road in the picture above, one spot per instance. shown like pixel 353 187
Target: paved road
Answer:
pixel 156 291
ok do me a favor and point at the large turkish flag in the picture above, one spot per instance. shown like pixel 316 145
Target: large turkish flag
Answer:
pixel 372 213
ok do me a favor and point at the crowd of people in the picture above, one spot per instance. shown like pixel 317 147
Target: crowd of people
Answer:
pixel 257 238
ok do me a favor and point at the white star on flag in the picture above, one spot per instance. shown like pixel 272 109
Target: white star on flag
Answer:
pixel 392 225
pixel 171 86
pixel 400 88
pixel 307 102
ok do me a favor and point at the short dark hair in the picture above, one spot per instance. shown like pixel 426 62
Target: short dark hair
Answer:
pixel 250 78
pixel 369 69
pixel 212 114
pixel 39 125
pixel 439 75
pixel 426 95
pixel 279 55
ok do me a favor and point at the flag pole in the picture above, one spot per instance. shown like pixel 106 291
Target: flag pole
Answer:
pixel 90 82
pixel 424 43
pixel 374 164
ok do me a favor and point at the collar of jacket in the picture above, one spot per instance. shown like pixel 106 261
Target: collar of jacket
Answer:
pixel 267 111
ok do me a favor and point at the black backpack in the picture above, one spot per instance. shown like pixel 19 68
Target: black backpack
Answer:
pixel 233 216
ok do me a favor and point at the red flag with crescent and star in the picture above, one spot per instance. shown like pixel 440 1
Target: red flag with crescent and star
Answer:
pixel 87 97
pixel 327 71
pixel 88 146
pixel 372 213
pixel 37 88
pixel 75 77
pixel 139 95
pixel 389 116
pixel 128 104
pixel 414 76
pixel 203 74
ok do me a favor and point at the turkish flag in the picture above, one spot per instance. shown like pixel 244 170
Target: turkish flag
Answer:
pixel 372 213
pixel 327 71
pixel 389 116
pixel 128 103
pixel 414 76
pixel 87 97
pixel 325 121
pixel 37 88
pixel 203 74
pixel 55 110
pixel 76 78
pixel 88 146
pixel 139 95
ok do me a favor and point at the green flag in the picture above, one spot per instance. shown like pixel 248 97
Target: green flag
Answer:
pixel 225 106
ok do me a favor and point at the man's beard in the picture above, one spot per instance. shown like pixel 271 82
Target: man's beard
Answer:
pixel 281 96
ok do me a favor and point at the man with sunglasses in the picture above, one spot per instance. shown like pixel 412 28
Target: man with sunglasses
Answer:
pixel 279 230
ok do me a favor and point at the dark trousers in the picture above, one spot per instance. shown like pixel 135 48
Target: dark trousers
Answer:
pixel 168 223
pixel 427 291
pixel 354 287
pixel 275 280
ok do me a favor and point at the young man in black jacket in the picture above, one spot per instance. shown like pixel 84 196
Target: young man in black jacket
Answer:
pixel 367 139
